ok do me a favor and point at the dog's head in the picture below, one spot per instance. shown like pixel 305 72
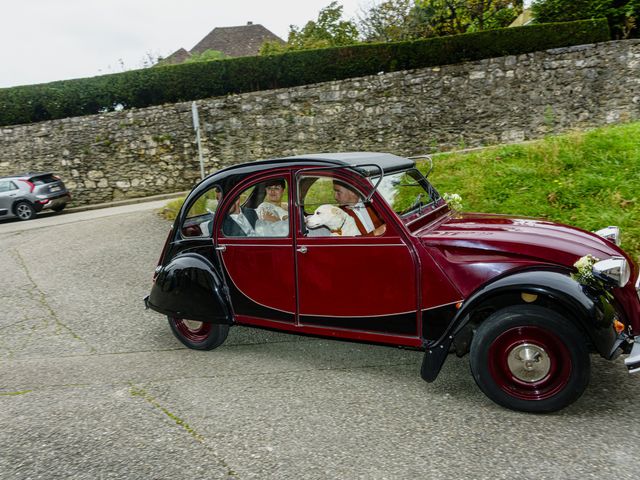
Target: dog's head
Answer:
pixel 330 216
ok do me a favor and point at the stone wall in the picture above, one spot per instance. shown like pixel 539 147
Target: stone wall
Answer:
pixel 149 151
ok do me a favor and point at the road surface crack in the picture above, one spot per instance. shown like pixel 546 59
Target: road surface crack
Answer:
pixel 40 297
pixel 146 396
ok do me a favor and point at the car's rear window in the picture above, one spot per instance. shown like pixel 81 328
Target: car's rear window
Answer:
pixel 43 179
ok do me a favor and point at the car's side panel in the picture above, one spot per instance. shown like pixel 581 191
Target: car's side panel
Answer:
pixel 260 276
pixel 358 283
pixel 8 194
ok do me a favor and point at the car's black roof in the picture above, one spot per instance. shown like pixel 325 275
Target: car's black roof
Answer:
pixel 366 163
pixel 363 161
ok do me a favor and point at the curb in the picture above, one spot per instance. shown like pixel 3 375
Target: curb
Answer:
pixel 128 201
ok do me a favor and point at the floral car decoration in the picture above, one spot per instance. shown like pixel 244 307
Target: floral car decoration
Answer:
pixel 361 247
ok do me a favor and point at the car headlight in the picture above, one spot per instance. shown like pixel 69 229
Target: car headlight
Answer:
pixel 615 269
pixel 611 233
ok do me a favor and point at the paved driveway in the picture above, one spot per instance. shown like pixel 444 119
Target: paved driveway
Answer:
pixel 93 386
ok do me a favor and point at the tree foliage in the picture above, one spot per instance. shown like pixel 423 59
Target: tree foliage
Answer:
pixel 623 15
pixel 451 17
pixel 397 20
pixel 329 30
pixel 391 21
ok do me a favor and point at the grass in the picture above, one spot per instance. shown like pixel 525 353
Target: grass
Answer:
pixel 587 179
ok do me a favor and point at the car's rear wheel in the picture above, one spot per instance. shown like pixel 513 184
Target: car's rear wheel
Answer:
pixel 198 335
pixel 530 358
pixel 24 210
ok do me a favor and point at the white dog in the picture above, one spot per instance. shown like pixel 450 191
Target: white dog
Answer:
pixel 335 219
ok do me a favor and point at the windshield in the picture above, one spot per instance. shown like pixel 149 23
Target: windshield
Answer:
pixel 407 192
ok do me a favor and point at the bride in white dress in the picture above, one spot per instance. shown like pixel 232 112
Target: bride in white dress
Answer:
pixel 273 211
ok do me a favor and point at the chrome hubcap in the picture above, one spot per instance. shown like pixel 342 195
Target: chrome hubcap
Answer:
pixel 192 325
pixel 529 363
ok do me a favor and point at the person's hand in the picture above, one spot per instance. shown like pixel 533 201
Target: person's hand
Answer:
pixel 270 217
pixel 380 230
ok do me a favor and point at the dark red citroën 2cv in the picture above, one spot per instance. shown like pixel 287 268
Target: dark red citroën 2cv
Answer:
pixel 360 246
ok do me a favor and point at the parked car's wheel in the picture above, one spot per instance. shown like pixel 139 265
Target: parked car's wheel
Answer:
pixel 530 358
pixel 198 335
pixel 24 210
pixel 59 208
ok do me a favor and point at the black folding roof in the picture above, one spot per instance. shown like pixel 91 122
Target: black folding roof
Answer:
pixel 366 162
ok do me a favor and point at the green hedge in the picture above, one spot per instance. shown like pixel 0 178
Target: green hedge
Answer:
pixel 177 83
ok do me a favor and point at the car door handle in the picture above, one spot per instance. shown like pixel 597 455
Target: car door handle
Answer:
pixel 302 249
pixel 221 248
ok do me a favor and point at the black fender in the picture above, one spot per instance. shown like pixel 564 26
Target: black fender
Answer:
pixel 189 287
pixel 590 309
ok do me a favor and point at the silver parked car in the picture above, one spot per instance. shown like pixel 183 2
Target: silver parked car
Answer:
pixel 23 196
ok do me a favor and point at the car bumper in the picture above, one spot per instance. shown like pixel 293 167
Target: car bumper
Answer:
pixel 57 201
pixel 633 360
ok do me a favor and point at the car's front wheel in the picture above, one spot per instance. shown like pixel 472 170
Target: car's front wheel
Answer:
pixel 24 211
pixel 530 358
pixel 198 335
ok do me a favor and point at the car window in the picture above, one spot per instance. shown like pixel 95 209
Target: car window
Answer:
pixel 406 192
pixel 6 186
pixel 207 203
pixel 333 207
pixel 44 179
pixel 199 219
pixel 261 210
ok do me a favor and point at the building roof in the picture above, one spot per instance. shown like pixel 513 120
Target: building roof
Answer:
pixel 176 57
pixel 525 18
pixel 241 41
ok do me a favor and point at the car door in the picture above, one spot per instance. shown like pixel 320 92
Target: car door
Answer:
pixel 256 253
pixel 8 193
pixel 361 286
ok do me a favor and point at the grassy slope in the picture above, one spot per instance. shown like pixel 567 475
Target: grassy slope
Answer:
pixel 587 179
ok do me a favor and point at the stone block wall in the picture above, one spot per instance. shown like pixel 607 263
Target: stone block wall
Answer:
pixel 149 151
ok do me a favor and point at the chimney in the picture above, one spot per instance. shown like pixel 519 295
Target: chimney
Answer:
pixel 249 23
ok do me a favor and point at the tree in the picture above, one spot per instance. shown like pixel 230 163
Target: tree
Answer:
pixel 450 17
pixel 329 30
pixel 622 15
pixel 391 21
pixel 489 14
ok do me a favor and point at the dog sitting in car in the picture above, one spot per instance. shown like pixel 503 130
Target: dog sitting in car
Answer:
pixel 336 220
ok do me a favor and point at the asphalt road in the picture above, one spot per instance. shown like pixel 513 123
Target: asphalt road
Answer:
pixel 92 386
